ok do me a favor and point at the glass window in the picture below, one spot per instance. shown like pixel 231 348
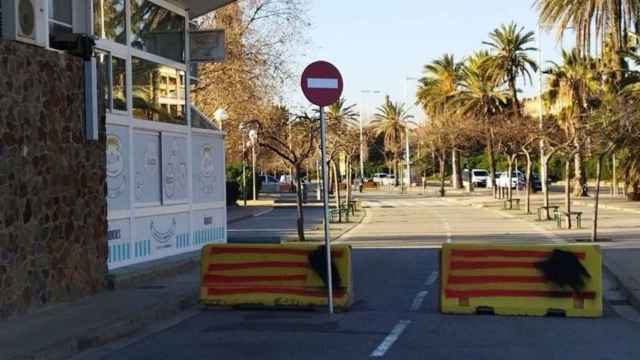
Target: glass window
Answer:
pixel 157 30
pixel 104 78
pixel 110 20
pixel 60 19
pixel 112 81
pixel 61 11
pixel 154 96
pixel 199 121
pixel 119 76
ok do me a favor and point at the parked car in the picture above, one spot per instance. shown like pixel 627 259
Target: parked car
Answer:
pixel 389 180
pixel 378 178
pixel 285 179
pixel 479 177
pixel 518 179
pixel 268 179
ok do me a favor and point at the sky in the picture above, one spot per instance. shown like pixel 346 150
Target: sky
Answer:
pixel 378 44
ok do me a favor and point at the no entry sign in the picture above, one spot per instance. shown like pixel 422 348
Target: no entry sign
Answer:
pixel 322 83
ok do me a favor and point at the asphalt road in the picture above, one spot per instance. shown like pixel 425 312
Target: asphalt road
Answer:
pixel 272 227
pixel 395 315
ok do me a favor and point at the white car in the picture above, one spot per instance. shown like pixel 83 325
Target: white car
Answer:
pixel 379 178
pixel 389 180
pixel 479 177
pixel 517 180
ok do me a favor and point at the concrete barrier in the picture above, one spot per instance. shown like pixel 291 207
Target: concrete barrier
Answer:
pixel 534 280
pixel 283 275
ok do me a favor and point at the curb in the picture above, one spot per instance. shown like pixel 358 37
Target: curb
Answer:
pixel 355 225
pixel 623 281
pixel 248 216
pixel 605 206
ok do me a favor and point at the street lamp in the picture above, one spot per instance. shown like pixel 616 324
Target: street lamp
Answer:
pixel 220 116
pixel 242 127
pixel 407 153
pixel 362 112
pixel 253 136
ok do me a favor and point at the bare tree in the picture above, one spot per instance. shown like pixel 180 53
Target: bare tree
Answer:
pixel 295 141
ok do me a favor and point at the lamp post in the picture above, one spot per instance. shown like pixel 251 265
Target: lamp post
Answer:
pixel 362 112
pixel 407 150
pixel 220 116
pixel 253 138
pixel 244 166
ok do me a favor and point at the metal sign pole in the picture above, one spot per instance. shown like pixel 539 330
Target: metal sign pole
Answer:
pixel 325 182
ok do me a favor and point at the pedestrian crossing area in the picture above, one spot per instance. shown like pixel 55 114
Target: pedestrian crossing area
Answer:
pixel 403 203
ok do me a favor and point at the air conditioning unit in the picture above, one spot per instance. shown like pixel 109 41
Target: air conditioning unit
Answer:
pixel 24 21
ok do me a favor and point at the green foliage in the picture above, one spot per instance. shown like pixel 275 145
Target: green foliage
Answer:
pixel 234 175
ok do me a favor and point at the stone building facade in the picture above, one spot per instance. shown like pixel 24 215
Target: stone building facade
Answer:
pixel 53 210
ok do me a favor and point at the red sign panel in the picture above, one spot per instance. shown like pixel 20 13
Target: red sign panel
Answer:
pixel 322 83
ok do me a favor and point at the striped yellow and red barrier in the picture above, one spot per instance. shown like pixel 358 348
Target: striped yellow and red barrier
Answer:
pixel 271 275
pixel 508 280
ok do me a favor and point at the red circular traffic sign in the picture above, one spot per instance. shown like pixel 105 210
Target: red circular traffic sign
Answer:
pixel 322 83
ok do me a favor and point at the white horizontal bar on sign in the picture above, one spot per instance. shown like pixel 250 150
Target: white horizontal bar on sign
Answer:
pixel 318 83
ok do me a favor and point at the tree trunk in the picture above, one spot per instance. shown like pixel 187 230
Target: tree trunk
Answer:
pixel 614 175
pixel 580 180
pixel 442 175
pixel 510 182
pixel 349 180
pixel 456 174
pixel 544 174
pixel 594 230
pixel 300 219
pixel 529 180
pixel 336 178
pixel 514 92
pixel 349 185
pixel 492 163
pixel 396 162
pixel 567 190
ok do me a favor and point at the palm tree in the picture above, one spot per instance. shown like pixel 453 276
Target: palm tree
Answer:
pixel 593 20
pixel 481 96
pixel 510 56
pixel 341 120
pixel 574 84
pixel 390 121
pixel 437 88
pixel 339 115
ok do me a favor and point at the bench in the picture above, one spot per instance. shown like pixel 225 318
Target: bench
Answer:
pixel 510 204
pixel 335 213
pixel 547 208
pixel 567 215
pixel 354 206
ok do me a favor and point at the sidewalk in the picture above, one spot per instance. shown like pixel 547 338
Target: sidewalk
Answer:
pixel 619 224
pixel 142 296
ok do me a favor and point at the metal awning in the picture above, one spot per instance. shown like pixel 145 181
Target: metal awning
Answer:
pixel 201 7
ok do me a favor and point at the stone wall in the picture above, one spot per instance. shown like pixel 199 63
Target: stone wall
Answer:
pixel 53 225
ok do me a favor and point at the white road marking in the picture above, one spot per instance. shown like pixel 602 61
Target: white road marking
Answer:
pixel 417 302
pixel 319 83
pixel 432 279
pixel 390 339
